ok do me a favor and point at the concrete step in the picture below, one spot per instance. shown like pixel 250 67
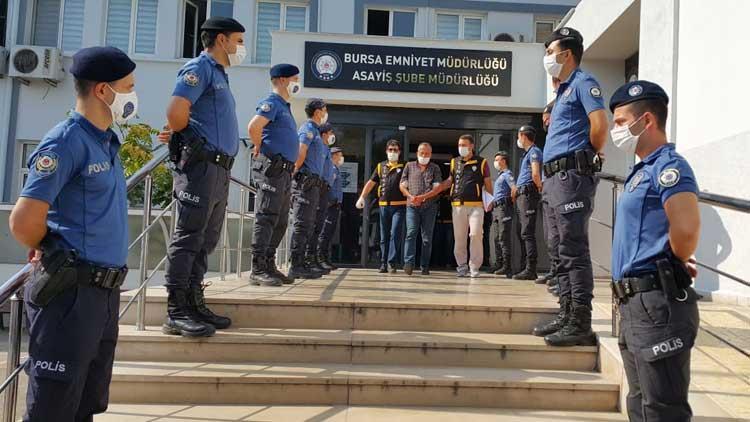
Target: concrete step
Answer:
pixel 369 385
pixel 242 345
pixel 260 311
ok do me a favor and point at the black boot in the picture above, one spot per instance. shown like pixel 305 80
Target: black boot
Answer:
pixel 577 332
pixel 529 273
pixel 544 278
pixel 554 290
pixel 182 320
pixel 325 262
pixel 198 302
pixel 300 270
pixel 312 262
pixel 383 269
pixel 271 266
pixel 260 275
pixel 558 322
pixel 505 269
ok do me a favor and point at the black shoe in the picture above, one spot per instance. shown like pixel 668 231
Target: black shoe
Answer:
pixel 425 271
pixel 554 290
pixel 526 274
pixel 271 268
pixel 577 331
pixel 182 320
pixel 392 269
pixel 313 263
pixel 557 323
pixel 260 276
pixel 383 269
pixel 545 278
pixel 198 302
pixel 303 271
pixel 408 269
pixel 326 263
pixel 504 271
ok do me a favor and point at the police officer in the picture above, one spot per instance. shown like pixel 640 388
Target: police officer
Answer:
pixel 306 186
pixel 387 177
pixel 73 298
pixel 273 132
pixel 502 213
pixel 552 238
pixel 312 256
pixel 335 199
pixel 577 131
pixel 656 234
pixel 526 197
pixel 204 141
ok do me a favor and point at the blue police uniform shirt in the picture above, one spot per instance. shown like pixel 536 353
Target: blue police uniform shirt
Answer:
pixel 641 227
pixel 280 134
pixel 204 83
pixel 76 170
pixel 533 155
pixel 569 129
pixel 503 184
pixel 309 135
pixel 328 166
pixel 336 193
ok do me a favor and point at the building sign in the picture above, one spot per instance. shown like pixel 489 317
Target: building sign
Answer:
pixel 384 68
pixel 348 173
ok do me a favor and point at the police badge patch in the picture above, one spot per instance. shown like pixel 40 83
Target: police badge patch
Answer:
pixel 565 32
pixel 635 90
pixel 46 163
pixel 669 177
pixel 191 79
pixel 595 92
pixel 474 168
pixel 309 135
pixel 265 107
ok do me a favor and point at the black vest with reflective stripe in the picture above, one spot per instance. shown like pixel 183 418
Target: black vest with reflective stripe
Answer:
pixel 390 179
pixel 468 179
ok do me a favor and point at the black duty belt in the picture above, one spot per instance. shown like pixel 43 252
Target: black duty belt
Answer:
pixel 217 158
pixel 103 277
pixel 527 189
pixel 629 286
pixel 584 161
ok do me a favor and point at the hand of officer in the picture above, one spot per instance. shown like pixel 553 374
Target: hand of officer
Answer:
pixel 360 203
pixel 692 267
pixel 165 135
pixel 35 255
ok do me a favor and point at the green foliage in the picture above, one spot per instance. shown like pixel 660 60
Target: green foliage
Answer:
pixel 137 150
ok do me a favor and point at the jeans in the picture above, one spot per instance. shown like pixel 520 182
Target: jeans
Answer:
pixel 391 233
pixel 419 219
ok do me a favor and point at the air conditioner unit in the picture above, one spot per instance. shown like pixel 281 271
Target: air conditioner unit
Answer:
pixel 34 62
pixel 3 61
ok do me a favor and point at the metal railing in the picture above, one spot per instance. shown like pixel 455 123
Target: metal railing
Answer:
pixel 12 288
pixel 720 201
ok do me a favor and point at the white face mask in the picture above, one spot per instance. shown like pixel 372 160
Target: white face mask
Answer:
pixel 551 65
pixel 331 140
pixel 624 139
pixel 463 151
pixel 519 143
pixel 238 56
pixel 392 156
pixel 497 166
pixel 340 162
pixel 324 119
pixel 423 160
pixel 293 88
pixel 123 107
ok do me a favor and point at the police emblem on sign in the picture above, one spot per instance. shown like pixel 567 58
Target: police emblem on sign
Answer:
pixel 191 79
pixel 46 163
pixel 326 65
pixel 636 181
pixel 635 90
pixel 669 177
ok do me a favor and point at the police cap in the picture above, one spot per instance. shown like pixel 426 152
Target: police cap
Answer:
pixel 101 64
pixel 325 127
pixel 527 129
pixel 503 154
pixel 284 70
pixel 222 24
pixel 565 33
pixel 637 91
pixel 314 104
pixel 336 149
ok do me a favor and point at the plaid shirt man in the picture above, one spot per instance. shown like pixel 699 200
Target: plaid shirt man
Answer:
pixel 418 181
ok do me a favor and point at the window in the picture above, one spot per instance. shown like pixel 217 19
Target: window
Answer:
pixel 275 16
pixel 3 20
pixel 195 15
pixel 395 23
pixel 122 22
pixel 459 27
pixel 222 8
pixel 544 29
pixel 58 23
pixel 27 147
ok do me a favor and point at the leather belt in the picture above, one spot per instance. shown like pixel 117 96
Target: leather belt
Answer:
pixel 218 158
pixel 629 286
pixel 561 164
pixel 103 277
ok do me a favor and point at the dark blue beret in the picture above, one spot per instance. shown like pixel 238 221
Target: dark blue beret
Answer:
pixel 325 127
pixel 284 70
pixel 101 64
pixel 222 24
pixel 336 149
pixel 314 104
pixel 565 33
pixel 527 129
pixel 637 91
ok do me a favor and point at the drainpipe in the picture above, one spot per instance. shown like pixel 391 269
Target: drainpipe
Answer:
pixel 566 18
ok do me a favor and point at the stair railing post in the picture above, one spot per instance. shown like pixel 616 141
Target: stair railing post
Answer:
pixel 14 357
pixel 241 234
pixel 615 304
pixel 140 323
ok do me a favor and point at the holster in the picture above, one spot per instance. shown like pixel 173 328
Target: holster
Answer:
pixel 675 278
pixel 58 271
pixel 587 162
pixel 184 148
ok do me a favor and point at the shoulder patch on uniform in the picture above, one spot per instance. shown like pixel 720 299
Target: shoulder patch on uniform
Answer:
pixel 46 163
pixel 595 92
pixel 309 134
pixel 265 107
pixel 534 156
pixel 669 177
pixel 191 79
